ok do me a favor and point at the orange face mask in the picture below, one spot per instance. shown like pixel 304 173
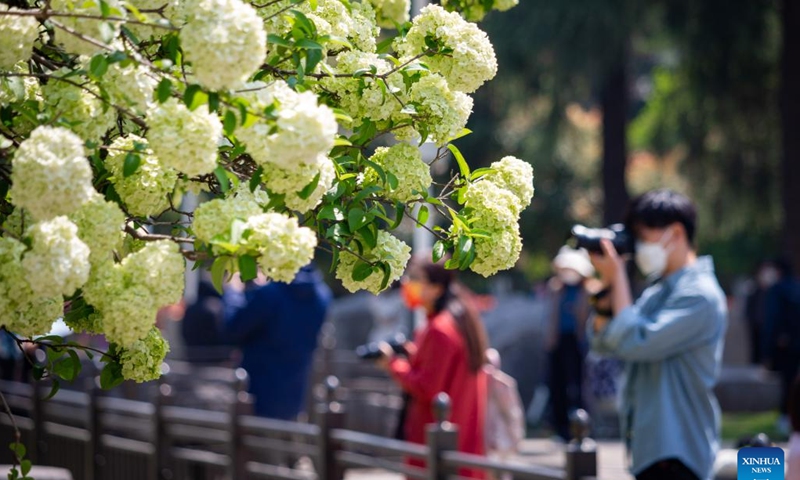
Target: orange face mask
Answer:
pixel 412 294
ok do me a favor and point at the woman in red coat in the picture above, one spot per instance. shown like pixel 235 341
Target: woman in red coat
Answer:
pixel 447 355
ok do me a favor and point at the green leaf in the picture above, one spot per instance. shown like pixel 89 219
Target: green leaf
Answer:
pixel 481 172
pixel 18 449
pixel 229 122
pixel 248 268
pixel 53 389
pixel 391 179
pixel 111 375
pixel 105 9
pixel 422 215
pixel 362 271
pixel 65 369
pixel 131 164
pixel 462 164
pixel 399 211
pixel 329 212
pixel 194 96
pixel 387 273
pixel 164 90
pixel 25 466
pixel 98 66
pixel 309 189
pixel 308 44
pixel 222 178
pixel 356 218
pixel 255 180
pixel 370 236
pixel 278 40
pixel 213 102
pixel 438 251
pixel 461 134
pixel 385 45
pixel 218 272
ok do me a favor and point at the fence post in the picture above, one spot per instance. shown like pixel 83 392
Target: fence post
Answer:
pixel 38 437
pixel 161 443
pixel 93 458
pixel 442 436
pixel 581 451
pixel 236 452
pixel 330 416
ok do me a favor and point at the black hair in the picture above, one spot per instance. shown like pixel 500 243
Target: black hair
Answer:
pixel 661 208
pixel 466 316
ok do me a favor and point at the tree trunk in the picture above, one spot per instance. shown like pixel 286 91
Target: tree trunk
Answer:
pixel 790 119
pixel 614 102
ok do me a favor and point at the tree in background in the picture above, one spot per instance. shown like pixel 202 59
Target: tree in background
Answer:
pixel 702 115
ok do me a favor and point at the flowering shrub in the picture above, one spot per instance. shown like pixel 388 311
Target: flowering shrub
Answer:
pixel 301 120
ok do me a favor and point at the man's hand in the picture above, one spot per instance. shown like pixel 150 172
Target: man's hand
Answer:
pixel 611 268
pixel 609 265
pixel 387 353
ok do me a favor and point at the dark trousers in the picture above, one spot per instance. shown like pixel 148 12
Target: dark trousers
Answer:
pixel 566 379
pixel 670 469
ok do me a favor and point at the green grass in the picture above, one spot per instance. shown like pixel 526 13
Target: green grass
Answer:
pixel 739 425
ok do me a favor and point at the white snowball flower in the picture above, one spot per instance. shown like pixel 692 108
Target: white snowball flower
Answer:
pixel 404 161
pixel 130 86
pixel 146 191
pixel 292 182
pixel 302 131
pixel 472 61
pixel 389 249
pixel 97 31
pixel 498 252
pixel 367 97
pixel 391 12
pixel 283 246
pixel 99 225
pixel 88 116
pixel 183 139
pixel 17 34
pixel 141 361
pixel 50 174
pixel 445 112
pixel 514 175
pixel 160 268
pixel 58 263
pixel 215 218
pixel 225 42
pixel 21 311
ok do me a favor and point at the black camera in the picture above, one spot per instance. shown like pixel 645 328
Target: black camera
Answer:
pixel 372 351
pixel 589 238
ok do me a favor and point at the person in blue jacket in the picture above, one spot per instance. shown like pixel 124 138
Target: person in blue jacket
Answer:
pixel 276 327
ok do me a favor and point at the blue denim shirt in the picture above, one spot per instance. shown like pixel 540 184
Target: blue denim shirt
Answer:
pixel 671 340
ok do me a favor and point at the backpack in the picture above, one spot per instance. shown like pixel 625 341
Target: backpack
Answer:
pixel 505 417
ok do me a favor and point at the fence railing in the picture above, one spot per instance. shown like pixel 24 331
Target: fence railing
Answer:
pixel 104 438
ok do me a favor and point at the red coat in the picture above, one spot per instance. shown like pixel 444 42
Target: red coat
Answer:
pixel 441 364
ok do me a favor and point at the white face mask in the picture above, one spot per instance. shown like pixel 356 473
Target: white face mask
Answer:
pixel 651 257
pixel 570 277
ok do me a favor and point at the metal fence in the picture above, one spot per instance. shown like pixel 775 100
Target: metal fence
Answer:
pixel 104 438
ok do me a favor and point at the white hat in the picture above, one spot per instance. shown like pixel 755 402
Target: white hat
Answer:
pixel 575 259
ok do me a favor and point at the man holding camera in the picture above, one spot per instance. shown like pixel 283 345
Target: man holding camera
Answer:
pixel 671 339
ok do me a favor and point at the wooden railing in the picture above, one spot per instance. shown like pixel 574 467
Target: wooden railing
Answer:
pixel 98 437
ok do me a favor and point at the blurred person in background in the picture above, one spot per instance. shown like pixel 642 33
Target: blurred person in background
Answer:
pixel 276 327
pixel 671 339
pixel 782 334
pixel 203 324
pixel 505 417
pixel 566 343
pixel 765 277
pixel 447 355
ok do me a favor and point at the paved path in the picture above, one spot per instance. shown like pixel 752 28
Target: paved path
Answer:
pixel 611 460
